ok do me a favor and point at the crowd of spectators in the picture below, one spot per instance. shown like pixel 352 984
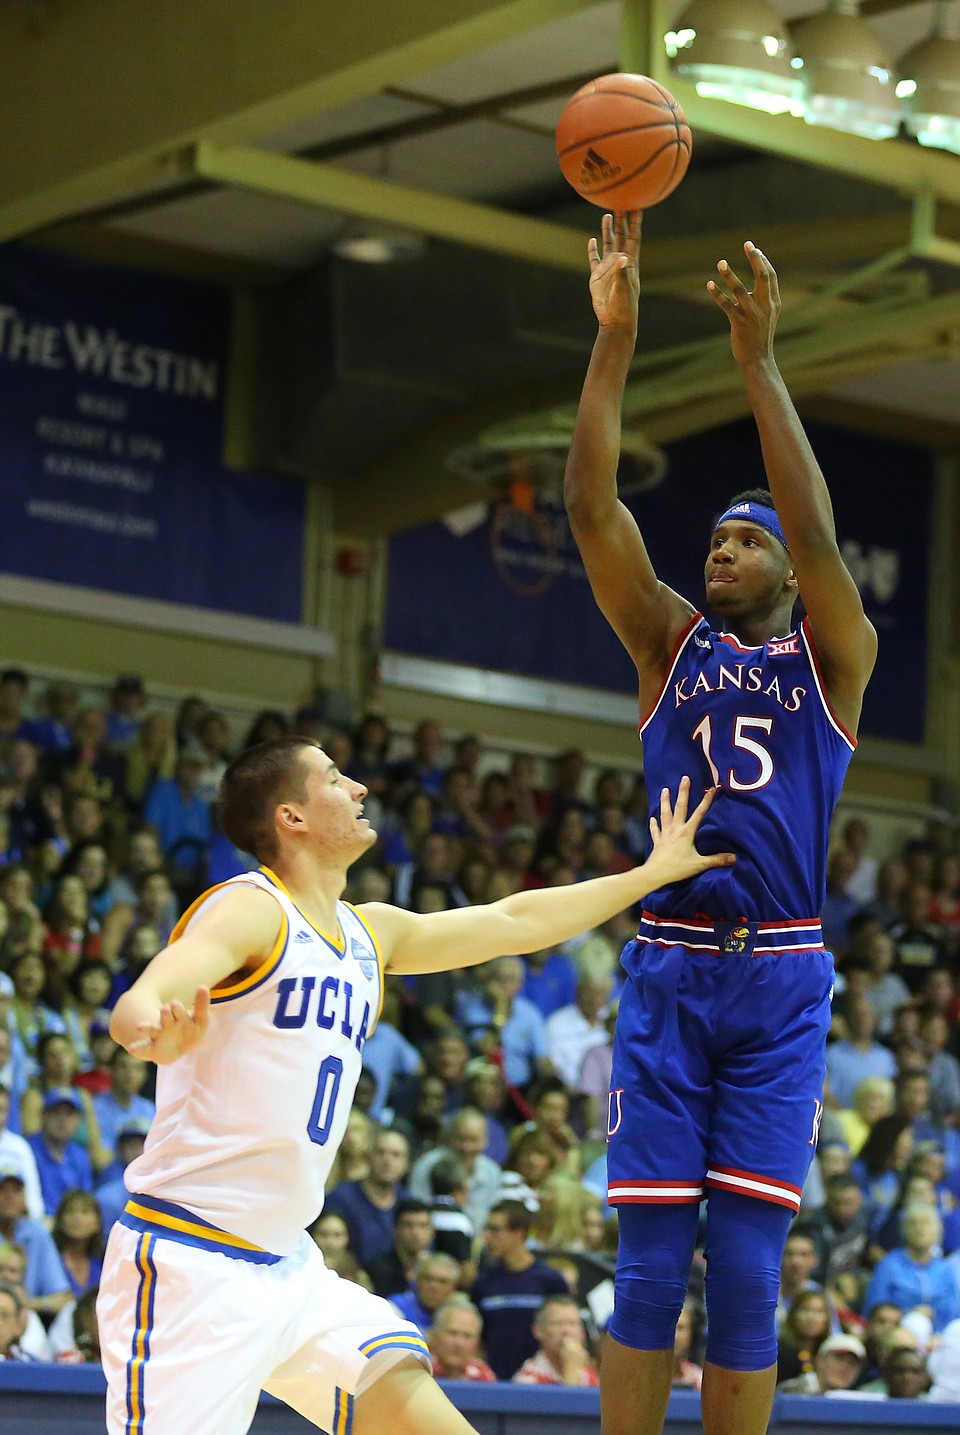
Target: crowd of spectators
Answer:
pixel 470 1187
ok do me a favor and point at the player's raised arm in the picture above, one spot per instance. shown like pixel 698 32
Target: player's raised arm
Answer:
pixel 530 921
pixel 164 1014
pixel 644 614
pixel 845 638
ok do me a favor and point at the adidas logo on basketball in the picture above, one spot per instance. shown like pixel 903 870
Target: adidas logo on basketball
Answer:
pixel 303 937
pixel 594 169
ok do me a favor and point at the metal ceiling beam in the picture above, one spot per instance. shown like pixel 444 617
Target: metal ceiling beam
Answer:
pixel 458 220
pixel 166 76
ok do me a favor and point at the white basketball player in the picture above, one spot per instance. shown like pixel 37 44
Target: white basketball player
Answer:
pixel 257 1013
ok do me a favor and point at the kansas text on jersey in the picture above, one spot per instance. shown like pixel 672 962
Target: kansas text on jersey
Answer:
pixel 757 723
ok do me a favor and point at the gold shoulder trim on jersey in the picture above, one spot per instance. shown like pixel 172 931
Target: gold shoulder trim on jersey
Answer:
pixel 259 974
pixel 339 942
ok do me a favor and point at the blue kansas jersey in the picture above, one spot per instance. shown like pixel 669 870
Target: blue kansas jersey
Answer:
pixel 757 722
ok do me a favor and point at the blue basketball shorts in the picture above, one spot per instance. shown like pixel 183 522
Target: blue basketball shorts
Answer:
pixel 718 1061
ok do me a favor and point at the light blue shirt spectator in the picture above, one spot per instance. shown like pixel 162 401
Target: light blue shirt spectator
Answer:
pixel 45 1274
pixel 552 985
pixel 388 1054
pixel 847 1065
pixel 523 1036
pixel 176 811
pixel 112 1117
pixel 904 1282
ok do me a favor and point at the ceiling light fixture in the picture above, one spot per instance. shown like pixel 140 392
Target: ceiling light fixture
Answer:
pixel 736 50
pixel 929 88
pixel 846 74
pixel 378 244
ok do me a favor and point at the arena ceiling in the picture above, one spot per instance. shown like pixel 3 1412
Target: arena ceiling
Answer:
pixel 243 141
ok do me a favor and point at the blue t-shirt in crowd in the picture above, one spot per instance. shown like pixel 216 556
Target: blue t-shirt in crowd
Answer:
pixel 112 1117
pixel 175 819
pixel 508 1302
pixel 523 1036
pixel 60 1175
pixel 388 1054
pixel 553 986
pixel 412 1308
pixel 370 1228
pixel 45 1274
pixel 899 1280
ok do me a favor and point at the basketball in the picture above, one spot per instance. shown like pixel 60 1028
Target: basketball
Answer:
pixel 623 142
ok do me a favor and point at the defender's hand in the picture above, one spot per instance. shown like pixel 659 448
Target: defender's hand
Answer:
pixel 177 1030
pixel 673 848
pixel 752 314
pixel 615 271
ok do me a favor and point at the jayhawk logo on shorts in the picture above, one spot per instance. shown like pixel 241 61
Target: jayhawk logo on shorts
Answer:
pixel 736 939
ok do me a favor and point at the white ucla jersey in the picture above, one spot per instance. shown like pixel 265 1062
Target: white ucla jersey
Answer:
pixel 248 1123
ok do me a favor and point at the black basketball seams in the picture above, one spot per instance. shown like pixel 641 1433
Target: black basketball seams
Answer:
pixel 670 123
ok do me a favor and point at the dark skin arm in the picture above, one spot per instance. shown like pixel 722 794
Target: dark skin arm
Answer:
pixel 845 638
pixel 645 614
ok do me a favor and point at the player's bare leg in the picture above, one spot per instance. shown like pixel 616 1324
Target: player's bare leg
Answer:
pixel 634 1389
pixel 737 1402
pixel 406 1400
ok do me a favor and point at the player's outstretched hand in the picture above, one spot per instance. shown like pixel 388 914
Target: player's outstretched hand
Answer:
pixel 177 1030
pixel 752 313
pixel 615 271
pixel 673 836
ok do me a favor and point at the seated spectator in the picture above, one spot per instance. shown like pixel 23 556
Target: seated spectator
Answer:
pixel 550 1110
pixel 887 991
pixel 368 1206
pixel 943 1067
pixel 882 1318
pixel 78 1236
pixel 90 863
pixel 912 1099
pixel 913 1275
pixel 484 1089
pixel 33 1334
pixel 85 1002
pixel 425 1127
pixel 453 1231
pixel 85 1346
pixel 111 1191
pixel 422 771
pixel 920 945
pixel 841 1230
pixel 944 1367
pixel 330 1235
pixel 30 824
pixel 15 1151
pixel 62 1162
pixel 532 1158
pixel 45 1279
pixel 836 1368
pixel 11 1311
pixel 805 1328
pixel 796 1270
pixel 128 697
pixel 859 1055
pixel 124 1101
pixel 72 936
pixel 51 730
pixel 435 1278
pixel 905 1375
pixel 873 1097
pixel 454 1341
pixel 392 1272
pixel 447 1058
pixel 58 1064
pixel 98 1077
pixel 32 1019
pixel 466 1141
pixel 386 1053
pixel 574 1029
pixel 885 1227
pixel 150 758
pixel 862 882
pixel 882 1158
pixel 550 982
pixel 352 1161
pixel 839 906
pixel 181 817
pixel 686 1372
pixel 522 1030
pixel 505 1288
pixel 561 1357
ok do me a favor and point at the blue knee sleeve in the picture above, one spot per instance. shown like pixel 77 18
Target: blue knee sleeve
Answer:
pixel 653 1267
pixel 745 1240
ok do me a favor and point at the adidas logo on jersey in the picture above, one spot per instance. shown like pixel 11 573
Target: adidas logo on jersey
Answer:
pixel 594 168
pixel 302 937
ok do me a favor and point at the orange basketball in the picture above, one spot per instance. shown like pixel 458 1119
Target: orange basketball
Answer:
pixel 623 142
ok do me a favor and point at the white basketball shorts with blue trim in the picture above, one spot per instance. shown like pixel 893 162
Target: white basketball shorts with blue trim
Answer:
pixel 194 1324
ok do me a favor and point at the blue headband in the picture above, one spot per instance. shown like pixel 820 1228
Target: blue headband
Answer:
pixel 757 513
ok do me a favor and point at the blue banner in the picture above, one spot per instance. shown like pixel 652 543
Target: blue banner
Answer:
pixel 111 439
pixel 511 594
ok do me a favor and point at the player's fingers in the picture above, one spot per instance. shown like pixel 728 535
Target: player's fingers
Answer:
pixel 201 1006
pixel 757 262
pixel 727 304
pixel 740 291
pixel 666 811
pixel 719 859
pixel 654 831
pixel 703 806
pixel 682 802
pixel 166 1018
pixel 141 1045
pixel 606 229
pixel 593 254
pixel 772 279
